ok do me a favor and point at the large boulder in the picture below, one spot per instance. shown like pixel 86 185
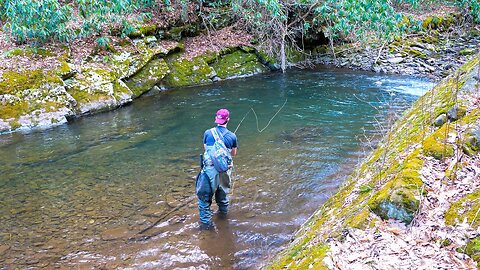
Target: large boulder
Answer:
pixel 132 59
pixel 238 63
pixel 96 89
pixel 34 98
pixel 188 72
pixel 148 76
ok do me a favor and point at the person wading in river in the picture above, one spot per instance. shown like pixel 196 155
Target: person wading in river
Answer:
pixel 210 181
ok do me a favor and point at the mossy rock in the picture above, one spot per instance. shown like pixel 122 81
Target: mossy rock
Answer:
pixel 144 30
pixel 294 56
pixel 465 209
pixel 360 219
pixel 267 60
pixel 473 250
pixel 185 72
pixel 456 112
pixel 32 98
pixel 416 53
pixel 148 76
pixel 28 52
pixel 12 82
pixel 468 51
pixel 65 70
pixel 238 63
pixel 126 64
pixel 399 197
pixel 436 145
pixel 96 89
pixel 472 144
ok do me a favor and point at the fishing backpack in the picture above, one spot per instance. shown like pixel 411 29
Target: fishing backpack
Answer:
pixel 219 153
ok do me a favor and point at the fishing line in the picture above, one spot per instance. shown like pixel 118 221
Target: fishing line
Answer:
pixel 258 129
pixel 256 118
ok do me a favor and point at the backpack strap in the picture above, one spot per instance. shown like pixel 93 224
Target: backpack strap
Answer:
pixel 217 135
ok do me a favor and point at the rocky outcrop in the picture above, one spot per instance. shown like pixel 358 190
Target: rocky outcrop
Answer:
pixel 42 98
pixel 421 162
pixel 439 49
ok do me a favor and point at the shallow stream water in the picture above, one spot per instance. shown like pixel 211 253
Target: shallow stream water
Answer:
pixel 77 196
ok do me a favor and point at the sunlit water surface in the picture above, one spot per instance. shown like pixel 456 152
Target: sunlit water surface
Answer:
pixel 77 195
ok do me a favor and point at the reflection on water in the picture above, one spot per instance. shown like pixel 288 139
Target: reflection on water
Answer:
pixel 87 194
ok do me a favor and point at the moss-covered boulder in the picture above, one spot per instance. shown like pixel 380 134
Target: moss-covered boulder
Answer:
pixel 399 199
pixel 238 63
pixel 473 250
pixel 131 60
pixel 33 98
pixel 188 72
pixel 144 30
pixel 437 146
pixel 148 76
pixel 472 143
pixel 96 89
pixel 466 209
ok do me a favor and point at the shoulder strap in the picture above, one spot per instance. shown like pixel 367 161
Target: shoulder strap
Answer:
pixel 216 134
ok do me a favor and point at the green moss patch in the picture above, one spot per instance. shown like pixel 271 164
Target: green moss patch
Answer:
pixel 148 76
pixel 466 208
pixel 96 89
pixel 188 72
pixel 238 63
pixel 473 249
pixel 144 30
pixel 12 82
pixel 359 220
pixel 436 145
pixel 299 257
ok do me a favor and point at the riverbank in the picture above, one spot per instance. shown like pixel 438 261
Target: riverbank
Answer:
pixel 44 87
pixel 413 202
pixel 69 82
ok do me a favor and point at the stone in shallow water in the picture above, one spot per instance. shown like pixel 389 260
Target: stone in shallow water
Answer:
pixel 153 211
pixel 3 249
pixel 116 233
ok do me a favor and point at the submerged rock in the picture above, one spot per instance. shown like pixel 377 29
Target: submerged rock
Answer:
pixel 122 232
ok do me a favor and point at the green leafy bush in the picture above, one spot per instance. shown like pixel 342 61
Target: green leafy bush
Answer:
pixel 37 21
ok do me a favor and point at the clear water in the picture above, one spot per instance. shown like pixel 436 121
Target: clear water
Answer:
pixel 77 196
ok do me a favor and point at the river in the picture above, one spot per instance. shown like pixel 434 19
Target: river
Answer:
pixel 77 195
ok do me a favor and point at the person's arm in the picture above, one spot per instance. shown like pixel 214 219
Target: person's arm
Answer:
pixel 234 152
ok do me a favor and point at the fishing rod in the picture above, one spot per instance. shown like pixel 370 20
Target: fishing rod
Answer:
pixel 191 199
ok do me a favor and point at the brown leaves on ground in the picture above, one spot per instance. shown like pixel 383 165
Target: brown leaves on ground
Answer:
pixel 79 49
pixel 215 41
pixel 392 245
